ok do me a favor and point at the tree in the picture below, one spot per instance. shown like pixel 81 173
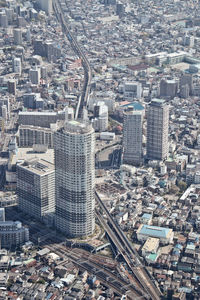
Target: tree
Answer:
pixel 182 185
pixel 174 189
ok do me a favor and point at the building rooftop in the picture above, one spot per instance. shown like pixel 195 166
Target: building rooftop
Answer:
pixel 38 166
pixel 28 153
pixel 48 130
pixel 153 257
pixel 154 231
pixel 151 245
pixel 137 106
pixel 147 216
pixel 76 127
pixel 157 102
pixel 38 113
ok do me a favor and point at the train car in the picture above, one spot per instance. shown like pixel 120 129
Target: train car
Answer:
pixel 69 37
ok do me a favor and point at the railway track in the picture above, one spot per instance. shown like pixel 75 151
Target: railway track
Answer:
pixel 83 101
pixel 129 254
pixel 107 277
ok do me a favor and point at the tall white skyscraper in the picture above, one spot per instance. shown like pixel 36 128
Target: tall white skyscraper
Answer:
pixel 17 65
pixel 74 146
pixel 157 129
pixel 132 137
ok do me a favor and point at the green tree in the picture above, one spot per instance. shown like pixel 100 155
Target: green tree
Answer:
pixel 182 185
pixel 174 189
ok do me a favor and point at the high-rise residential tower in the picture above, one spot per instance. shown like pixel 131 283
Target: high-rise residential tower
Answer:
pixel 36 187
pixel 157 129
pixel 132 137
pixel 74 146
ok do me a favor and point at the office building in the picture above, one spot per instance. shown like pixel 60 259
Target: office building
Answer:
pixel 17 66
pixel 4 113
pixel 120 10
pixel 36 187
pixel 22 155
pixel 2 123
pixel 157 130
pixel 38 47
pixel 109 2
pixel 46 5
pixel 69 113
pixel 47 49
pixel 100 122
pixel 3 20
pixel 43 72
pixel 40 118
pixel 132 137
pixel 34 135
pixel 185 91
pixel 33 101
pixel 188 41
pixel 10 15
pixel 17 33
pixel 187 80
pixel 74 147
pixel 107 98
pixel 12 86
pixel 100 108
pixel 132 90
pixel 5 108
pixel 2 214
pixel 168 88
pixel 28 34
pixel 34 75
pixel 13 234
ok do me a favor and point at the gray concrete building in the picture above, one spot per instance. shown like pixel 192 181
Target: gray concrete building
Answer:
pixel 35 75
pixel 13 234
pixel 36 187
pixel 17 34
pixel 187 80
pixel 132 137
pixel 41 119
pixel 157 129
pixel 168 88
pixel 34 135
pixel 74 146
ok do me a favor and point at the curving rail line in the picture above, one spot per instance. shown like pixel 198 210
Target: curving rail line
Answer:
pixel 83 100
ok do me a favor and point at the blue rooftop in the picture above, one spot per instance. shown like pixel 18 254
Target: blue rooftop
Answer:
pixel 136 105
pixel 147 216
pixel 154 231
pixel 185 290
pixel 179 246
